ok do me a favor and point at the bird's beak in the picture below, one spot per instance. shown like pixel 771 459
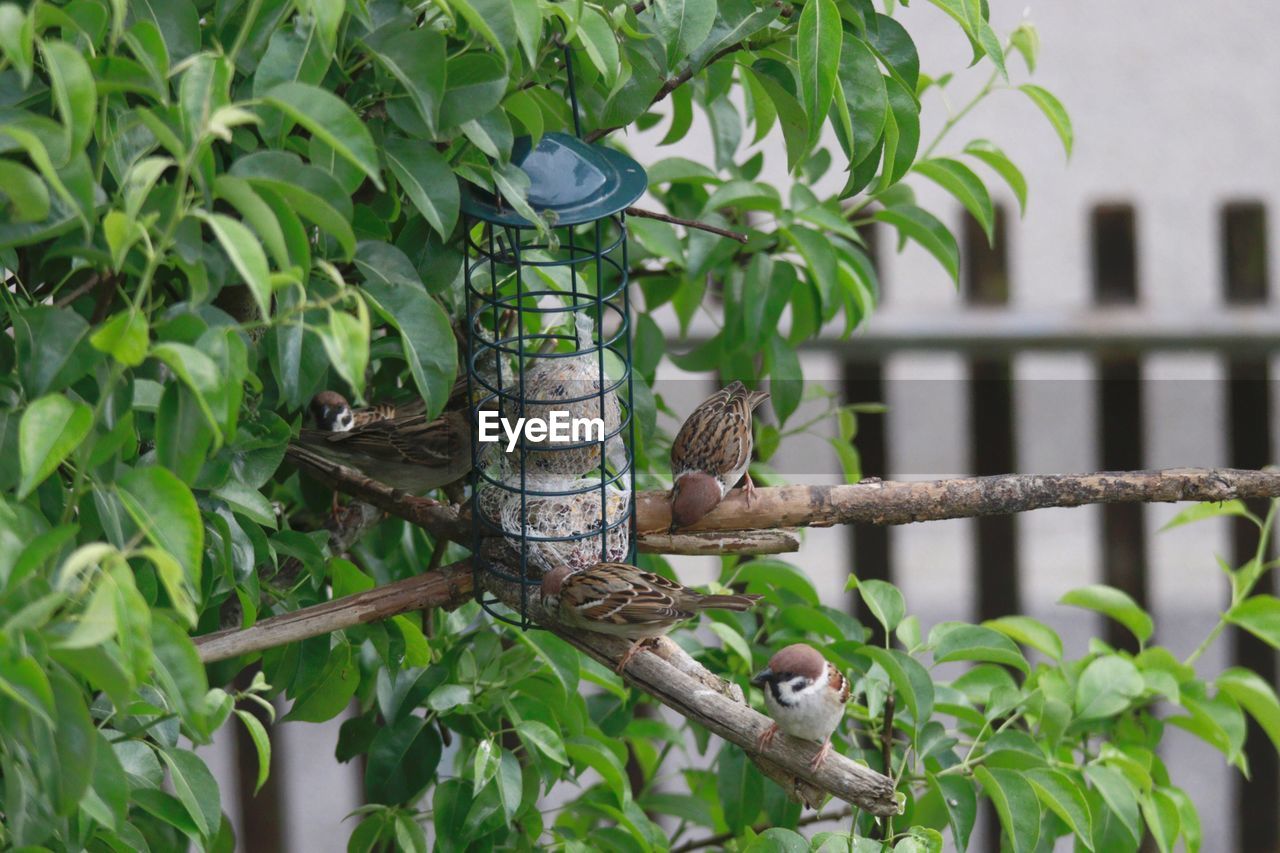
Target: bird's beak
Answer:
pixel 762 677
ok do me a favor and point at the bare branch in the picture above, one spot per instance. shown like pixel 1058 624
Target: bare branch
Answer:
pixel 887 502
pixel 449 588
pixel 687 223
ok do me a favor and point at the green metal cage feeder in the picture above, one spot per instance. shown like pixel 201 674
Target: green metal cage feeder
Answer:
pixel 549 338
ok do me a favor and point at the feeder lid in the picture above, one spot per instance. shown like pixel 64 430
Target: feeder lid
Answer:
pixel 577 181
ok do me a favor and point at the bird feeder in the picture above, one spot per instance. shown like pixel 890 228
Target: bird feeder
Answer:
pixel 549 340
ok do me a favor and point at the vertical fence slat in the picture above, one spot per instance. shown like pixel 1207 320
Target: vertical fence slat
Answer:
pixel 1244 256
pixel 992 441
pixel 261 815
pixel 1120 421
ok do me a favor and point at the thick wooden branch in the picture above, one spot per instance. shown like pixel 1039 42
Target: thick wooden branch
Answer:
pixel 735 528
pixel 888 502
pixel 448 587
pixel 452 522
pixel 667 673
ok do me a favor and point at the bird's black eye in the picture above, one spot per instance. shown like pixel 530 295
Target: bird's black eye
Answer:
pixel 797 683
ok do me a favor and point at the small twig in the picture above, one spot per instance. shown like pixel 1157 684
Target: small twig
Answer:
pixel 687 223
pixel 886 736
pixel 81 289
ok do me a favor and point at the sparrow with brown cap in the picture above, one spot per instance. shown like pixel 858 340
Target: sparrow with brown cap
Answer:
pixel 620 599
pixel 805 694
pixel 711 453
pixel 396 445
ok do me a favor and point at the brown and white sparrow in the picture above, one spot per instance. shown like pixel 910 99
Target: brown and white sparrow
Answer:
pixel 396 445
pixel 805 694
pixel 620 599
pixel 711 453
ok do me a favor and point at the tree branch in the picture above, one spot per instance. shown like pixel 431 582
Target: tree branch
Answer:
pixel 887 502
pixel 687 223
pixel 668 674
pixel 449 588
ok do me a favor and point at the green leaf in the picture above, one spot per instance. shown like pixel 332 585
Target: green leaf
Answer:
pixel 246 256
pixel 51 428
pixel 1202 511
pixel 680 25
pixel 74 92
pixel 819 258
pixel 1016 804
pixel 786 377
pixel 315 195
pixel 988 153
pixel 427 179
pixel 125 337
pixel 545 739
pixel 585 752
pixel 1106 687
pixel 76 743
pixel 818 45
pixel 598 39
pixel 923 227
pixel 331 691
pixel 17 39
pixel 791 117
pixel 739 788
pixel 1115 604
pixel 1030 632
pixel 974 642
pixel 175 582
pixel 1053 111
pixel 733 640
pixel 261 744
pixel 492 19
pixel 909 678
pixel 28 195
pixel 1118 793
pixel 864 104
pixel 328 117
pixel 346 342
pixel 413 58
pixel 1256 696
pixel 902 132
pixel 1260 616
pixel 426 334
pixel 165 510
pixel 446 697
pixel 1161 813
pixel 240 194
pixel 476 83
pixel 1063 796
pixel 883 599
pixel 196 788
pixel 959 797
pixel 959 180
pixel 402 761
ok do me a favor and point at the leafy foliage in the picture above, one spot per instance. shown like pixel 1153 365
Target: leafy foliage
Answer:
pixel 211 210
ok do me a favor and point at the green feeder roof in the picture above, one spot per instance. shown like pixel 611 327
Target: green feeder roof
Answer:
pixel 577 181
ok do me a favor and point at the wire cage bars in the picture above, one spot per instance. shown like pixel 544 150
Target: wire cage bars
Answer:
pixel 549 342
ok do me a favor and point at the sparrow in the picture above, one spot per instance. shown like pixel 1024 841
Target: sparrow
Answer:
pixel 805 695
pixel 332 413
pixel 396 445
pixel 620 599
pixel 711 453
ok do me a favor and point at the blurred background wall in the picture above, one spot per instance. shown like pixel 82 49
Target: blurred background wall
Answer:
pixel 1134 320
